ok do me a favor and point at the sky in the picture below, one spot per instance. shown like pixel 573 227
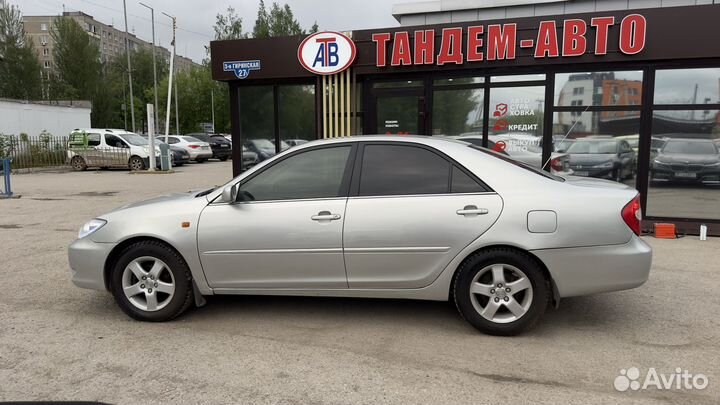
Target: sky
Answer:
pixel 196 18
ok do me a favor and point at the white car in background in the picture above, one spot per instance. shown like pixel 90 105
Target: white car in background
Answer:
pixel 102 147
pixel 198 150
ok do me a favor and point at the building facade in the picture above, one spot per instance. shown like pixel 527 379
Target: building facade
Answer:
pixel 110 40
pixel 628 94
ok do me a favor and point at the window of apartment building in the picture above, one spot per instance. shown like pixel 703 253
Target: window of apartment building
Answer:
pixel 47 64
pixel 46 52
pixel 578 91
pixel 43 27
pixel 44 40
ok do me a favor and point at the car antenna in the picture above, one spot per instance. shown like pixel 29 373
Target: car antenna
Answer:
pixel 566 135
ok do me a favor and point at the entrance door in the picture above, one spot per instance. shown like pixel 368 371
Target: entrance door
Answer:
pixel 399 108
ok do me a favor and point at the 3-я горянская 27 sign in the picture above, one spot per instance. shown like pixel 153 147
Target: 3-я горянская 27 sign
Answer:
pixel 500 41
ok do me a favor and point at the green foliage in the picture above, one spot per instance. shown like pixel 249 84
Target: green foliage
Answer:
pixel 77 61
pixel 19 66
pixel 228 26
pixel 278 22
pixel 194 101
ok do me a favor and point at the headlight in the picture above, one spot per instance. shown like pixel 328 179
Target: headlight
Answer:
pixel 91 227
pixel 657 162
pixel 606 164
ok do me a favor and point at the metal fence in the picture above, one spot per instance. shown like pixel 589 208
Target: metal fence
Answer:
pixel 35 152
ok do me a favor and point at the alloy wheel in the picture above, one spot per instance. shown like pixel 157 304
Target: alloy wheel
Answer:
pixel 148 283
pixel 501 293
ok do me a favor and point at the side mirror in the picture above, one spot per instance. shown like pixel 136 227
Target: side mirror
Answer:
pixel 229 194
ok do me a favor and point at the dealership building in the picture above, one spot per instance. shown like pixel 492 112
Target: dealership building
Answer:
pixel 628 89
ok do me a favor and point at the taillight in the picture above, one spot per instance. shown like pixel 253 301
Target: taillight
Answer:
pixel 632 214
pixel 556 164
pixel 193 146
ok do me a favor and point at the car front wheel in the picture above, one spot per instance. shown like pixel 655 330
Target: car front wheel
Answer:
pixel 151 282
pixel 136 163
pixel 78 163
pixel 501 292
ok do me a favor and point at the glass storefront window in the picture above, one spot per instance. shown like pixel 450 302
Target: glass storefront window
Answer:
pixel 296 114
pixel 457 81
pixel 599 144
pixel 257 120
pixel 687 86
pixel 457 111
pixel 516 122
pixel 598 89
pixel 517 78
pixel 398 115
pixel 684 173
pixel 398 84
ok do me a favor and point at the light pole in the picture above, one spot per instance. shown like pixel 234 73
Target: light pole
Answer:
pixel 152 22
pixel 170 82
pixel 127 52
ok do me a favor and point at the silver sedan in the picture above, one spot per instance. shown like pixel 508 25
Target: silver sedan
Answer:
pixel 378 217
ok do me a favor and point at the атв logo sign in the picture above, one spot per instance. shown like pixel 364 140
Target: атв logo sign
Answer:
pixel 327 53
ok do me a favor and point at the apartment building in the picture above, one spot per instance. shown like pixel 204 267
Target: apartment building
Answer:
pixel 110 39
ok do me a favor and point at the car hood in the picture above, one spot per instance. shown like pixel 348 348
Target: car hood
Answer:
pixel 591 158
pixel 159 200
pixel 687 158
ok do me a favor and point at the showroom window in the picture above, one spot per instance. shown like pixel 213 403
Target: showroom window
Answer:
pixel 684 166
pixel 296 115
pixel 458 106
pixel 402 170
pixel 597 129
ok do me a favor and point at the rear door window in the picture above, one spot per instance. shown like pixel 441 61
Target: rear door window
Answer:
pixel 403 170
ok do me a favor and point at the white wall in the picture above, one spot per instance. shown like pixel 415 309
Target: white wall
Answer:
pixel 18 117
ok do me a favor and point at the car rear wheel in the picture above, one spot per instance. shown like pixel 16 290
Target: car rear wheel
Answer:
pixel 151 282
pixel 224 158
pixel 200 160
pixel 136 163
pixel 501 292
pixel 78 163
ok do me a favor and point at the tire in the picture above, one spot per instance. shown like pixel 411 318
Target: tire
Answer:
pixel 78 163
pixel 617 175
pixel 136 163
pixel 529 300
pixel 224 159
pixel 200 160
pixel 174 272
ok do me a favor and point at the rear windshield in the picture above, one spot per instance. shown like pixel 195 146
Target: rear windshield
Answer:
pixel 518 164
pixel 191 139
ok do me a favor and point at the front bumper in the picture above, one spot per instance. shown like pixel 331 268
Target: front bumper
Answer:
pixel 597 269
pixel 664 172
pixel 87 263
pixel 585 171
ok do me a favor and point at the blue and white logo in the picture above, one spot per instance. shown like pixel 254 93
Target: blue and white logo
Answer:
pixel 241 68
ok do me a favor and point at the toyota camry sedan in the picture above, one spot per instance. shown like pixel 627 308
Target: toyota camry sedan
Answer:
pixel 377 217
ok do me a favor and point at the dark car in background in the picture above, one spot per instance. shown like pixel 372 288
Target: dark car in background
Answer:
pixel 180 155
pixel 686 160
pixel 221 147
pixel 602 158
pixel 264 148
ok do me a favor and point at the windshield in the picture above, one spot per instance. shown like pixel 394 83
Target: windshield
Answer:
pixel 134 139
pixel 593 147
pixel 690 148
pixel 518 164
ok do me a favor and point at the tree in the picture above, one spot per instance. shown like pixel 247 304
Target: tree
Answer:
pixel 77 61
pixel 279 21
pixel 228 26
pixel 19 66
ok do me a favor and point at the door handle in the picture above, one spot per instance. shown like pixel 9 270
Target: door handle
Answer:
pixel 471 210
pixel 325 216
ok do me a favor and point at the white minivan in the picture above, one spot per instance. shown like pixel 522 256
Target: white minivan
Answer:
pixel 94 147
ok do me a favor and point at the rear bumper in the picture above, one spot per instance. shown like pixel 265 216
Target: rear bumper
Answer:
pixel 597 269
pixel 87 263
pixel 200 154
pixel 221 152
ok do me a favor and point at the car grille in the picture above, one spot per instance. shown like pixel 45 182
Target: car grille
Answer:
pixel 686 167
